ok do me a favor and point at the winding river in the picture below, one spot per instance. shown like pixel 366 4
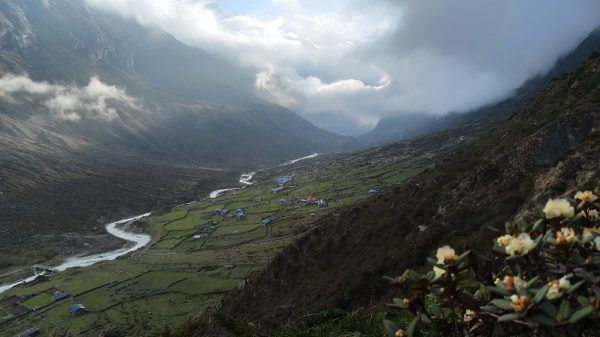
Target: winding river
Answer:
pixel 136 240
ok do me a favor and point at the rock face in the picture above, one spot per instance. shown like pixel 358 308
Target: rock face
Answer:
pixel 546 149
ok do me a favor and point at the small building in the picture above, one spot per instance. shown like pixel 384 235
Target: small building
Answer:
pixel 283 201
pixel 283 180
pixel 59 295
pixel 258 198
pixel 29 333
pixel 310 201
pixel 322 203
pixel 277 189
pixel 373 192
pixel 265 222
pixel 77 309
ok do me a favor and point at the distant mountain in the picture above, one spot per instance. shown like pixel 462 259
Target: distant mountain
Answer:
pixel 405 126
pixel 100 115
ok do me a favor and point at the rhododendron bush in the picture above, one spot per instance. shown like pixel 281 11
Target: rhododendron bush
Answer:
pixel 541 278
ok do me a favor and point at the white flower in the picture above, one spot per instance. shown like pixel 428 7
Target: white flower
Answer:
pixel 520 245
pixel 587 235
pixel 565 236
pixel 439 272
pixel 593 214
pixel 519 303
pixel 557 286
pixel 469 315
pixel 445 255
pixel 504 240
pixel 586 196
pixel 558 207
pixel 597 243
pixel 520 284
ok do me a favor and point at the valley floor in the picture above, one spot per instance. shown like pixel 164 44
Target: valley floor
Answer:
pixel 197 255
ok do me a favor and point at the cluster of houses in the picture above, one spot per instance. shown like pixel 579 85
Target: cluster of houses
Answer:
pixel 206 230
pixel 58 295
pixel 312 202
pixel 222 212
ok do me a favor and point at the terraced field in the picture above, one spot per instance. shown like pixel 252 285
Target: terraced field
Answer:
pixel 197 254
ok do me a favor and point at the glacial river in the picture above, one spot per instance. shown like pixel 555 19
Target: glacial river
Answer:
pixel 136 240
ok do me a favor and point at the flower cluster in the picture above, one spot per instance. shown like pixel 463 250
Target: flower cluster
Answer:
pixel 547 278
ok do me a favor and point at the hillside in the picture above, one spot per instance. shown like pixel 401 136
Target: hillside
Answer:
pixel 199 252
pixel 100 117
pixel 546 149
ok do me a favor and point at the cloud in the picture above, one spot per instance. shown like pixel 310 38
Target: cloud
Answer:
pixel 95 101
pixel 365 60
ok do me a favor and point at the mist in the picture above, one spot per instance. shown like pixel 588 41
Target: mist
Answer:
pixel 95 101
pixel 347 64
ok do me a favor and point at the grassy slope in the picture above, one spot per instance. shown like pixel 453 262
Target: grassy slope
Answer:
pixel 178 275
pixel 341 264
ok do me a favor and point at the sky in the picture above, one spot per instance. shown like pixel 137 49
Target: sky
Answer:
pixel 346 64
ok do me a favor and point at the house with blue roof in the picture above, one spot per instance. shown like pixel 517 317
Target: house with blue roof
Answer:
pixel 59 295
pixel 283 180
pixel 77 309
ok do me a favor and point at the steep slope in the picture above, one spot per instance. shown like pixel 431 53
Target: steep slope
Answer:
pixel 544 150
pixel 412 125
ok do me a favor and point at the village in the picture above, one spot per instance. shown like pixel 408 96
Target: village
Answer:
pixel 201 250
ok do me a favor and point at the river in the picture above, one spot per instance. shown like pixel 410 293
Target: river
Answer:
pixel 136 240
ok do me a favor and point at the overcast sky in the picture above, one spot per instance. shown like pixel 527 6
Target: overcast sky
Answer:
pixel 345 64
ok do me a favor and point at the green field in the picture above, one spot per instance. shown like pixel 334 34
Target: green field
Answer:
pixel 196 256
pixel 38 301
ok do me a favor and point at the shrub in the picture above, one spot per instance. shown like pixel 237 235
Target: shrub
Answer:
pixel 540 278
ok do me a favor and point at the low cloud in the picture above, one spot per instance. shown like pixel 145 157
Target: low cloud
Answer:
pixel 95 101
pixel 368 59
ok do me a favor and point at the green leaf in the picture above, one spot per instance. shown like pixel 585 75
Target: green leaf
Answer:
pixel 463 256
pixel 426 319
pixel 435 310
pixel 495 230
pixel 532 282
pixel 537 225
pixel 498 290
pixel 549 309
pixel 541 294
pixel 502 304
pixel 412 327
pixel 584 301
pixel 580 314
pixel 390 328
pixel 500 249
pixel 399 303
pixel 411 275
pixel 490 308
pixel 564 310
pixel 585 275
pixel 509 317
pixel 575 287
pixel 544 320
